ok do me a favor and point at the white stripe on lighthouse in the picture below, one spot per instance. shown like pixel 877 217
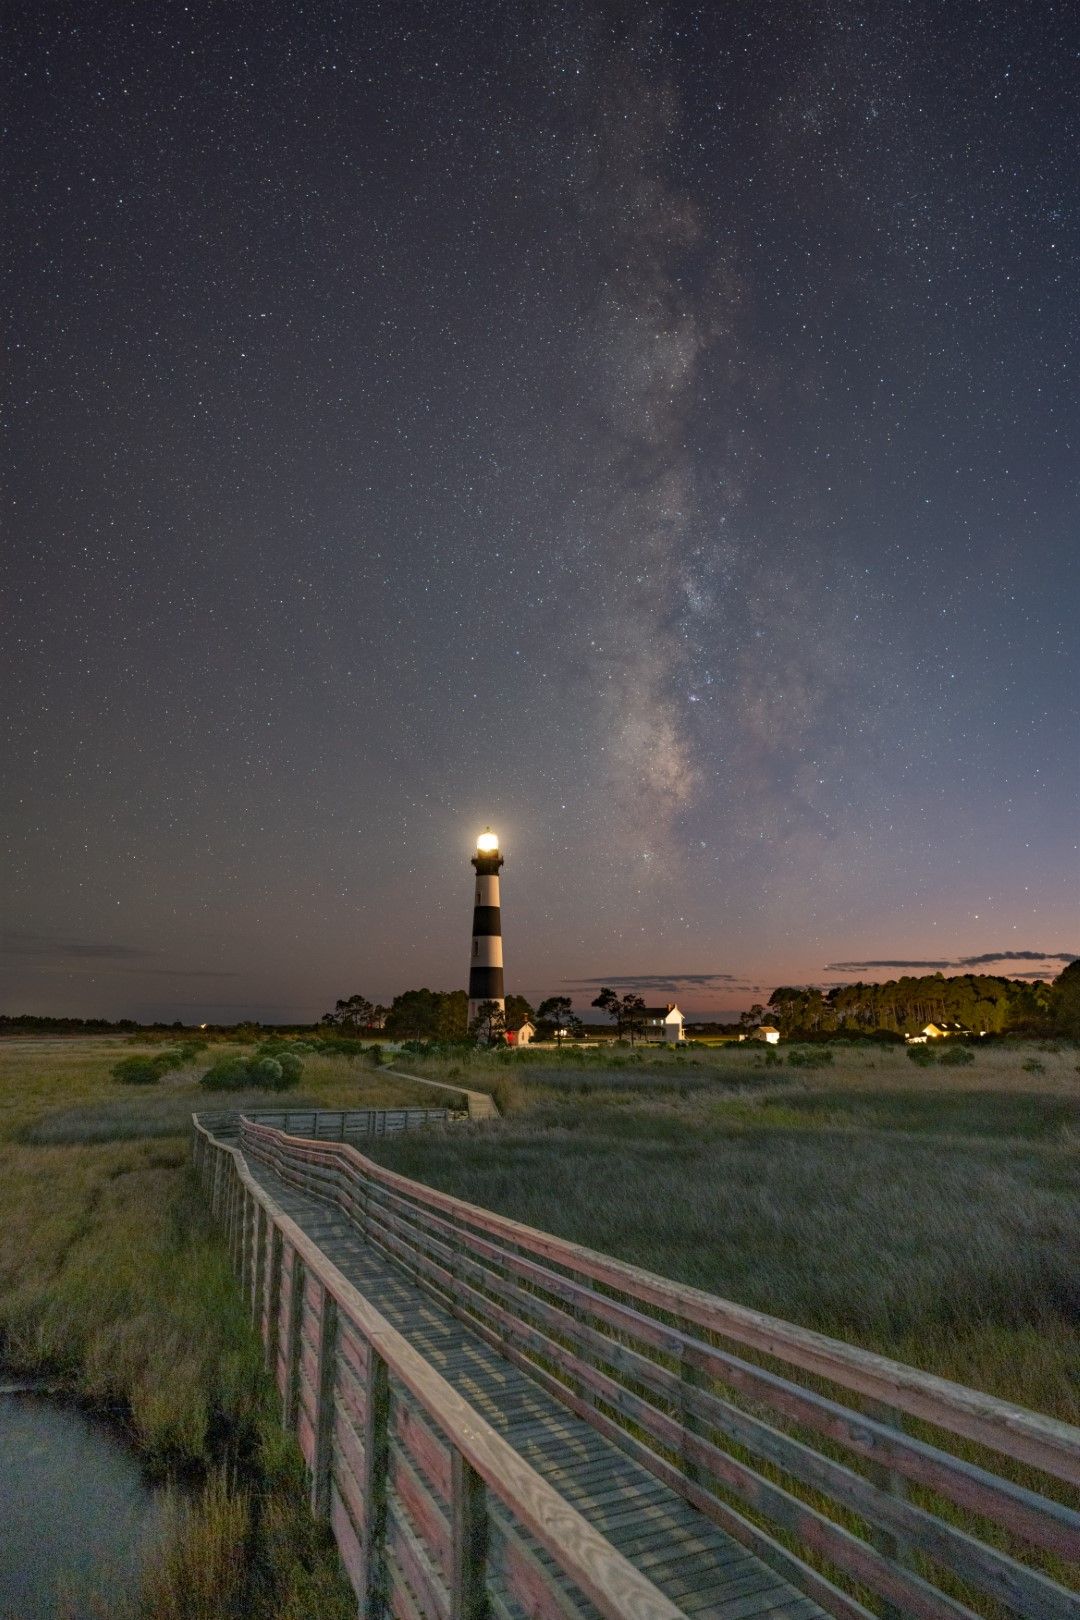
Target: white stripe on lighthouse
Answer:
pixel 487 891
pixel 487 950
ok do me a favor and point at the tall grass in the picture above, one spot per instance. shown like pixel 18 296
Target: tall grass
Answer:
pixel 113 1283
pixel 936 1227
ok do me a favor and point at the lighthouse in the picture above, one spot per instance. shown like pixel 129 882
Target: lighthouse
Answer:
pixel 486 962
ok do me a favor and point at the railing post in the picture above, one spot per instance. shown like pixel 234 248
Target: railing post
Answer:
pixel 376 1472
pixel 293 1347
pixel 273 1317
pixel 894 1484
pixel 469 1532
pixel 247 1256
pixel 692 1378
pixel 324 1421
pixel 258 1290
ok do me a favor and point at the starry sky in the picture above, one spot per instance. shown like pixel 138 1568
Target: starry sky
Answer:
pixel 650 430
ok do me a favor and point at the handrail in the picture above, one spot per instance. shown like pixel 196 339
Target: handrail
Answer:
pixel 1030 1437
pixel 589 1561
pixel 663 1398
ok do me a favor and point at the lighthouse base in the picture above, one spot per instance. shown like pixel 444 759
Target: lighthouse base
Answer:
pixel 483 1001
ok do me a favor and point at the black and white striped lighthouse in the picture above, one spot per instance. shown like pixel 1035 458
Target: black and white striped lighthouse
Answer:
pixel 486 962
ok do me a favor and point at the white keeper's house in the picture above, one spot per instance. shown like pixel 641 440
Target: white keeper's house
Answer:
pixel 664 1025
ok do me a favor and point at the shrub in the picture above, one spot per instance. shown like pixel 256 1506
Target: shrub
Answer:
pixel 1033 1066
pixel 810 1057
pixel 374 1052
pixel 922 1055
pixel 263 1072
pixel 227 1074
pixel 139 1071
pixel 292 1067
pixel 957 1055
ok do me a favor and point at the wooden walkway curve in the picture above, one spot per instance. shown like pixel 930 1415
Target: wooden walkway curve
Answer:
pixel 500 1423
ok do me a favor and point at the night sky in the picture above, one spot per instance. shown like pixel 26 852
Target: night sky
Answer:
pixel 651 431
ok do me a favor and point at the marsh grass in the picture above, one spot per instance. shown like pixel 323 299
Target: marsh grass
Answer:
pixel 933 1223
pixel 114 1286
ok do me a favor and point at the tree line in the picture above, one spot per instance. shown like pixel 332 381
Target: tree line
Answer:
pixel 982 1002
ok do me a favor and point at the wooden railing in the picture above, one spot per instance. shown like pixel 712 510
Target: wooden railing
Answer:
pixel 793 1443
pixel 327 1124
pixel 433 1512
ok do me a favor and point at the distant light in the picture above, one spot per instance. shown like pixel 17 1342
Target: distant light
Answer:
pixel 487 842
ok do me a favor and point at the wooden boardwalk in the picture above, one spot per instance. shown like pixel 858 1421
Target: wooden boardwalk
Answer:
pixel 501 1424
pixel 703 1570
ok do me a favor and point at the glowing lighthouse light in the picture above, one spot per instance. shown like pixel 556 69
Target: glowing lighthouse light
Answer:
pixel 486 961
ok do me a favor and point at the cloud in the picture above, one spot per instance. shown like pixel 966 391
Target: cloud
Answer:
pixel 660 981
pixel 1019 956
pixel 43 947
pixel 191 973
pixel 47 951
pixel 865 967
pixel 960 962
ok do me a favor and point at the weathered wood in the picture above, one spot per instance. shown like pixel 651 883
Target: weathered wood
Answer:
pixel 468 1581
pixel 598 1337
pixel 376 1469
pixel 1044 1522
pixel 293 1341
pixel 324 1420
pixel 273 1308
pixel 1028 1436
pixel 903 1524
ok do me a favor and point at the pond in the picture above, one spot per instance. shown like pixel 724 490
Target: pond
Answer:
pixel 77 1516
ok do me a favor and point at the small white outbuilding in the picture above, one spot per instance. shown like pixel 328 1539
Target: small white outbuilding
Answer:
pixel 664 1025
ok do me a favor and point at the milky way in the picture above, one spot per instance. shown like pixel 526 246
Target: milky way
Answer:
pixel 651 430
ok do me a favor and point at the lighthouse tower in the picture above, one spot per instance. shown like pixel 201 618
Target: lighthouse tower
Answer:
pixel 486 962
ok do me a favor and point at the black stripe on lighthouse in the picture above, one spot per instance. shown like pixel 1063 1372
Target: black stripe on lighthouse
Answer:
pixel 487 920
pixel 486 984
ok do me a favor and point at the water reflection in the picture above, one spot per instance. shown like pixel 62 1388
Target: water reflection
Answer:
pixel 77 1518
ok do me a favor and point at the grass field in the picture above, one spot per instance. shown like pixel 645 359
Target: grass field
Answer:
pixel 112 1282
pixel 924 1212
pixel 927 1213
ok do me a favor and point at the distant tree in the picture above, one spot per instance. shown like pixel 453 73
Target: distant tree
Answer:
pixel 1065 1001
pixel 360 1011
pixel 558 1012
pixel 608 1002
pixel 633 1015
pixel 428 1015
pixel 517 1011
pixel 452 1018
pixel 628 1011
pixel 489 1025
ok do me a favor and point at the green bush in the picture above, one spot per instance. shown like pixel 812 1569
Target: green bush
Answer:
pixel 140 1071
pixel 263 1073
pixel 922 1055
pixel 292 1067
pixel 957 1055
pixel 227 1074
pixel 375 1053
pixel 810 1057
